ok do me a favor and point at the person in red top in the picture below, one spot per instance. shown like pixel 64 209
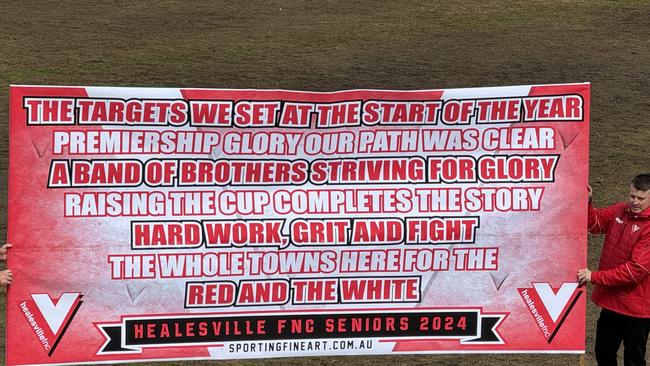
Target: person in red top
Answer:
pixel 622 283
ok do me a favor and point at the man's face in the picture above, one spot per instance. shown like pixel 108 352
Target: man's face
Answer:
pixel 639 200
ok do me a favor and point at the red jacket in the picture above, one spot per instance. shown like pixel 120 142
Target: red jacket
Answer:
pixel 622 282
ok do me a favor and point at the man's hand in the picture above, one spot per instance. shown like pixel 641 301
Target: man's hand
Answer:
pixel 6 277
pixel 3 251
pixel 584 276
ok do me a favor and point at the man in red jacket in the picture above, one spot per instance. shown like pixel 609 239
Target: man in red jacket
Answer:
pixel 622 283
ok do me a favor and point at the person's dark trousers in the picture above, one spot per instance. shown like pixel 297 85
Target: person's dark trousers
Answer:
pixel 614 328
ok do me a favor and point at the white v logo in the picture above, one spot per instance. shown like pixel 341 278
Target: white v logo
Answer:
pixel 55 314
pixel 555 302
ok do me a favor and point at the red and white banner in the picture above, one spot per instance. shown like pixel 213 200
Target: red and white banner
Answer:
pixel 160 224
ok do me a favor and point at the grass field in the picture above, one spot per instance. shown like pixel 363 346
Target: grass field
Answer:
pixel 333 45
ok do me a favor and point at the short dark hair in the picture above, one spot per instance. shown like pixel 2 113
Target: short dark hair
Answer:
pixel 642 182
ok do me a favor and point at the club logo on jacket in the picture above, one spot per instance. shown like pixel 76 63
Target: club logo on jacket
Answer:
pixel 550 306
pixel 49 317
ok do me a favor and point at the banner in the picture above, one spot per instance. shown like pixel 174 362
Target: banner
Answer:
pixel 169 224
